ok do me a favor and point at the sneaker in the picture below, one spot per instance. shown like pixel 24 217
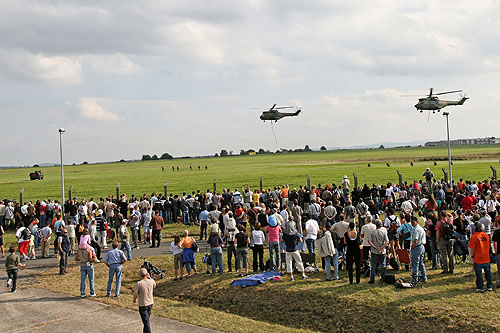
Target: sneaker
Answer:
pixel 93 295
pixel 13 291
pixel 34 258
pixel 116 296
pixel 490 289
pixel 304 277
pixel 9 283
pixel 97 260
pixel 136 248
pixel 479 290
pixel 292 279
pixel 82 296
pixel 328 279
pixel 371 282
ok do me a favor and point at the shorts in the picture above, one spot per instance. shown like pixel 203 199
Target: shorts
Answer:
pixel 1 240
pixel 178 260
pixel 147 229
pixel 391 236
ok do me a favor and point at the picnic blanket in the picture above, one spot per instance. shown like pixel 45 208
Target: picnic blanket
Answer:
pixel 253 280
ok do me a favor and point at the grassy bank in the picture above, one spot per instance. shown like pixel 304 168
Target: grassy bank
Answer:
pixel 445 303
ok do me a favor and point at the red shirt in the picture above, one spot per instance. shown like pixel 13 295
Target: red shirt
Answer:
pixel 466 203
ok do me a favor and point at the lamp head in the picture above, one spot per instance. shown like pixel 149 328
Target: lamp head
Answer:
pixel 62 130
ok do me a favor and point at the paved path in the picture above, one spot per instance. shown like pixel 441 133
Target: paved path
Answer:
pixel 36 310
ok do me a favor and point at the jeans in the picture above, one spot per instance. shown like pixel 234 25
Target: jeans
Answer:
pixel 242 257
pixel 216 254
pixel 258 252
pixel 101 236
pixel 74 219
pixel 37 239
pixel 329 261
pixel 446 250
pixel 84 272
pixel 43 221
pixel 145 312
pixel 126 246
pixel 231 250
pixel 115 269
pixel 185 217
pixel 274 250
pixel 417 263
pixel 135 234
pixel 311 245
pixel 156 236
pixel 377 260
pixel 203 229
pixel 12 274
pixel 434 252
pixel 478 269
pixel 63 262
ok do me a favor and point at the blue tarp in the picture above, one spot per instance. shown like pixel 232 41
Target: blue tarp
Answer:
pixel 255 279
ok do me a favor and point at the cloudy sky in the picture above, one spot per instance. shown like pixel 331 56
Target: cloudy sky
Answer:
pixel 126 78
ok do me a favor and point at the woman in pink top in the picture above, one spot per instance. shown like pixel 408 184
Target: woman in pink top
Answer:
pixel 273 232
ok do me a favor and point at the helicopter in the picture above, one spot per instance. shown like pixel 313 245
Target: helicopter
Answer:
pixel 274 114
pixel 433 103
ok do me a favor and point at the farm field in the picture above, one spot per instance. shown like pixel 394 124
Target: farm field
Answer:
pixel 325 167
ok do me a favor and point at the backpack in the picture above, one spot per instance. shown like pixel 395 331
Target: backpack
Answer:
pixel 26 234
pixel 393 227
pixel 448 231
pixel 404 234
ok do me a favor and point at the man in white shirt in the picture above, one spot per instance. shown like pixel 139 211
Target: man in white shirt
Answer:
pixel 45 234
pixel 315 210
pixel 312 229
pixel 365 233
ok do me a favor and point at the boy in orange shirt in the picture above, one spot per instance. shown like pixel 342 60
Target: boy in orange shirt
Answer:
pixel 480 251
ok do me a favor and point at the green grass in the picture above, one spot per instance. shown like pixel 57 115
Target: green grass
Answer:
pixel 471 162
pixel 445 303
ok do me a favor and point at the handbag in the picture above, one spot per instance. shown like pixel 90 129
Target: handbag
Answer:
pixel 194 246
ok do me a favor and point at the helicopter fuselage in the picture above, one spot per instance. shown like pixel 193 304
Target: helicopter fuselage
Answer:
pixel 433 104
pixel 276 115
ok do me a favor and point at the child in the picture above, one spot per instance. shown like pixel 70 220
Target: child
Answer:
pixel 177 252
pixel 11 264
pixel 85 242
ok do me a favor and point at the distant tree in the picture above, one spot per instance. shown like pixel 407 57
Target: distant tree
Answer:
pixel 243 152
pixel 122 160
pixel 36 166
pixel 73 164
pixel 231 153
pixel 166 156
pixel 154 157
pixel 261 151
pixel 223 153
pixel 323 148
pixel 85 162
pixel 306 148
pixel 381 147
pixel 216 155
pixel 146 157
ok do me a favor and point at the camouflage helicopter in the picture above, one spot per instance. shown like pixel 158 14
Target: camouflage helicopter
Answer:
pixel 274 114
pixel 433 103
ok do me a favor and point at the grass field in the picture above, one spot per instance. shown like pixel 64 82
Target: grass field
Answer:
pixel 445 303
pixel 95 180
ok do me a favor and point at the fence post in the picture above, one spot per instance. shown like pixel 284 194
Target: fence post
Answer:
pixel 261 183
pixel 21 196
pixel 494 170
pixel 165 189
pixel 215 185
pixel 400 175
pixel 445 174
pixel 308 182
pixel 70 192
pixel 355 179
pixel 117 192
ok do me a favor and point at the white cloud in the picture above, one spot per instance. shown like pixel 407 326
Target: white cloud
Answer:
pixel 114 64
pixel 39 67
pixel 90 109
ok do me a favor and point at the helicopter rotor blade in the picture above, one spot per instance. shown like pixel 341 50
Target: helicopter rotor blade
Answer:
pixel 448 92
pixel 430 92
pixel 284 107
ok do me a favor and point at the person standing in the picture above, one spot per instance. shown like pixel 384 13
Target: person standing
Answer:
pixel 23 239
pixel 378 242
pixel 63 248
pixel 258 239
pixel 86 257
pixel 351 239
pixel 292 239
pixel 428 174
pixel 417 251
pixel 444 235
pixel 479 246
pixel 12 262
pixel 215 241
pixel 327 250
pixel 45 234
pixel 143 296
pixel 242 240
pixel 114 260
pixel 273 232
pixel 100 229
pixel 312 230
pixel 125 239
pixel 156 224
pixel 365 233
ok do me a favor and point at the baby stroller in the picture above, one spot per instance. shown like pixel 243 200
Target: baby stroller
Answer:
pixel 152 269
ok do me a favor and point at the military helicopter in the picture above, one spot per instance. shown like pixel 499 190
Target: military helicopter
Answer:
pixel 433 103
pixel 274 114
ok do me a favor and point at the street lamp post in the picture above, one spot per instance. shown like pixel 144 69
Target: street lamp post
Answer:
pixel 446 114
pixel 61 131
